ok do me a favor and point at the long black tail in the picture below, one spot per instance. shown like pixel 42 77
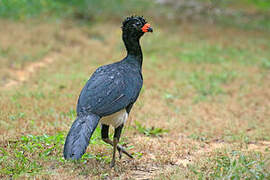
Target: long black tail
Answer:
pixel 79 135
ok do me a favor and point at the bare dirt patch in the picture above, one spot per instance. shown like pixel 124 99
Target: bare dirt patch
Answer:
pixel 24 74
pixel 260 146
pixel 153 170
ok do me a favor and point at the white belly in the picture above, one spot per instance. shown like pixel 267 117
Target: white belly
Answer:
pixel 115 119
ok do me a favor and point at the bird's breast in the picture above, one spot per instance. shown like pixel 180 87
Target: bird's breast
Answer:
pixel 115 119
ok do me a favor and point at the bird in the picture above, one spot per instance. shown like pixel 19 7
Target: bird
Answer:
pixel 109 94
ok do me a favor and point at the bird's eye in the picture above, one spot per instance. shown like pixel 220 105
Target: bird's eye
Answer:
pixel 138 23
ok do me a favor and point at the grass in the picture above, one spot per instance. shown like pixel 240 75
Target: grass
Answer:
pixel 231 165
pixel 186 101
pixel 21 156
pixel 199 101
pixel 209 84
pixel 156 132
pixel 204 87
pixel 29 154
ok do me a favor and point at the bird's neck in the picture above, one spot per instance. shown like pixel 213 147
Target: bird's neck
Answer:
pixel 134 51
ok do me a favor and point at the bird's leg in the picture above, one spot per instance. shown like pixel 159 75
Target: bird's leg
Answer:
pixel 105 134
pixel 117 134
pixel 106 139
pixel 115 142
pixel 120 148
pixel 116 137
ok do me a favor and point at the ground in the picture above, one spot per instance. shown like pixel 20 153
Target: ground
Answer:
pixel 203 112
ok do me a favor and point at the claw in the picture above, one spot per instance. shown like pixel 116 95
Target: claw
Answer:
pixel 120 152
pixel 121 149
pixel 112 163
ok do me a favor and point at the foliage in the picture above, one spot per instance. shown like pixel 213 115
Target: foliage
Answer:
pixel 82 9
pixel 93 10
pixel 262 4
pixel 153 131
pixel 26 154
pixel 23 9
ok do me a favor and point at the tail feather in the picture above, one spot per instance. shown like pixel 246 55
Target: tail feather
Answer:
pixel 79 135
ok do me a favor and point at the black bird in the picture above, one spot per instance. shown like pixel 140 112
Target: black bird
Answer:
pixel 109 95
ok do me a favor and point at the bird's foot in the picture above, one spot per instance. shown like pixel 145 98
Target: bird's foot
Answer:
pixel 123 150
pixel 112 163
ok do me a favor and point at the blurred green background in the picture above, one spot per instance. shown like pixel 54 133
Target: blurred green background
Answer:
pixel 242 13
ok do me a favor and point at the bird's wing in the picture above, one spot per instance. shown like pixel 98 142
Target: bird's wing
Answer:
pixel 110 89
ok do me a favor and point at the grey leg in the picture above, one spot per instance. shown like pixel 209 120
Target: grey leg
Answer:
pixel 115 142
pixel 105 138
pixel 116 137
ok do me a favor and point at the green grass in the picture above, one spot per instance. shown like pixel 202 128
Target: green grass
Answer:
pixel 27 155
pixel 260 4
pixel 210 84
pixel 240 20
pixel 232 165
pixel 202 52
pixel 24 156
pixel 265 63
pixel 153 131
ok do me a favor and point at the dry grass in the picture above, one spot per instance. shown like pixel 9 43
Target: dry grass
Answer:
pixel 207 86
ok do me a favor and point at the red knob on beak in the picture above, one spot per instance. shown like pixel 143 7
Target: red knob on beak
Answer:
pixel 147 28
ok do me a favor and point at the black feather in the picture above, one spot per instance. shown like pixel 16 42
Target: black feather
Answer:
pixel 111 88
pixel 133 19
pixel 79 135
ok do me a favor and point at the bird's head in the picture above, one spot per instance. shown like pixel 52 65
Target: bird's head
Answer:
pixel 136 26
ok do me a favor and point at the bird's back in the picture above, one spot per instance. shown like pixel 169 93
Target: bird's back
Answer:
pixel 110 89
